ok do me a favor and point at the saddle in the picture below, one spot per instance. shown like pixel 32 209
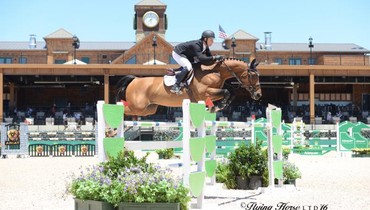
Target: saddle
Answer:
pixel 170 77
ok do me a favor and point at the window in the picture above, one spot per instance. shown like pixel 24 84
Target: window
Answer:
pixel 245 59
pixel 171 60
pixel 311 61
pixel 22 60
pixel 5 60
pixel 85 59
pixel 59 61
pixel 278 60
pixel 132 60
pixel 295 61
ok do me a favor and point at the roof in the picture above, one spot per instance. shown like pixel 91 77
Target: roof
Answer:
pixel 150 2
pixel 283 47
pixel 11 45
pixel 59 34
pixel 75 61
pixel 318 47
pixel 240 34
pixel 106 45
pixel 40 45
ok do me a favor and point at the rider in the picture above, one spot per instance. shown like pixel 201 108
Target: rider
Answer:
pixel 196 51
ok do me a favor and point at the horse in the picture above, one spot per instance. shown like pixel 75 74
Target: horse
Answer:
pixel 143 95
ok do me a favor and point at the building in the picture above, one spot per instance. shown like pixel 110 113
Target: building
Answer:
pixel 34 75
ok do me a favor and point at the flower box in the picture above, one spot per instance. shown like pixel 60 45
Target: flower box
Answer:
pixel 92 205
pixel 149 206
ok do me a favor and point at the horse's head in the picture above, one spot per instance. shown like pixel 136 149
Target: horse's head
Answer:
pixel 246 75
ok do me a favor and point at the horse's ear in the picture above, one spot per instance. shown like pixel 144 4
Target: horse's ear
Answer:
pixel 253 64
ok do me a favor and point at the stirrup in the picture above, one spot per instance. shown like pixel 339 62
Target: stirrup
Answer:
pixel 176 89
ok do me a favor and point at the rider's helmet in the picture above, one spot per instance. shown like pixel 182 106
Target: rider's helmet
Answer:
pixel 208 34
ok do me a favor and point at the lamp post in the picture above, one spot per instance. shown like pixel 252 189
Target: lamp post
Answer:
pixel 154 44
pixel 76 45
pixel 233 45
pixel 310 45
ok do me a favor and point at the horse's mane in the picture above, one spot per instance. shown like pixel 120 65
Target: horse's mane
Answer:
pixel 236 59
pixel 212 66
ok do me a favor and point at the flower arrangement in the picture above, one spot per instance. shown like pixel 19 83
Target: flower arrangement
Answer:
pixel 129 179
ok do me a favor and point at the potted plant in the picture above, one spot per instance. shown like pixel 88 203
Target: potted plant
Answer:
pixel 290 173
pixel 129 183
pixel 248 164
pixel 165 153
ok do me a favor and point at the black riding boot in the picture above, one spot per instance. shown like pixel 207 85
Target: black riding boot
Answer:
pixel 179 78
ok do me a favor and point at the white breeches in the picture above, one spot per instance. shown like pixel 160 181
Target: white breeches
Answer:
pixel 184 62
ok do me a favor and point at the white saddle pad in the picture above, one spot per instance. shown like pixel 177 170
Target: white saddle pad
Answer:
pixel 171 80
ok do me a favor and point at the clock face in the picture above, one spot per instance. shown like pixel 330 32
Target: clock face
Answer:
pixel 150 19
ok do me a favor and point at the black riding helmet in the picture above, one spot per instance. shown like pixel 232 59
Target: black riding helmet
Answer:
pixel 208 34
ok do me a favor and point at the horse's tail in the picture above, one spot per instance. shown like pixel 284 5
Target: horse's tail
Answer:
pixel 122 85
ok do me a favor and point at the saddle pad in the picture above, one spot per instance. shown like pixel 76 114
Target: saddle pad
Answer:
pixel 171 80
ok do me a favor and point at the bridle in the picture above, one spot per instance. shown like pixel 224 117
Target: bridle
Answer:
pixel 251 88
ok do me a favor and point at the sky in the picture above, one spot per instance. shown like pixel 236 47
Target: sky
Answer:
pixel 290 21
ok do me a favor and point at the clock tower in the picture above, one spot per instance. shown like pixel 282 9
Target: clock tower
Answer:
pixel 150 17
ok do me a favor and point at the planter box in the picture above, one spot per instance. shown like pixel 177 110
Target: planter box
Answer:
pixel 360 155
pixel 92 205
pixel 149 206
pixel 290 181
pixel 241 183
pixel 255 182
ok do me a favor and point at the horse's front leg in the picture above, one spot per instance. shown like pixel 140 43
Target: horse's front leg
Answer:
pixel 217 94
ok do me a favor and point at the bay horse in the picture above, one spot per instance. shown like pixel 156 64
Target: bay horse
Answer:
pixel 143 95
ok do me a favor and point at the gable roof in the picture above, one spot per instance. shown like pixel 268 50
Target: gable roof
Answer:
pixel 59 34
pixel 240 34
